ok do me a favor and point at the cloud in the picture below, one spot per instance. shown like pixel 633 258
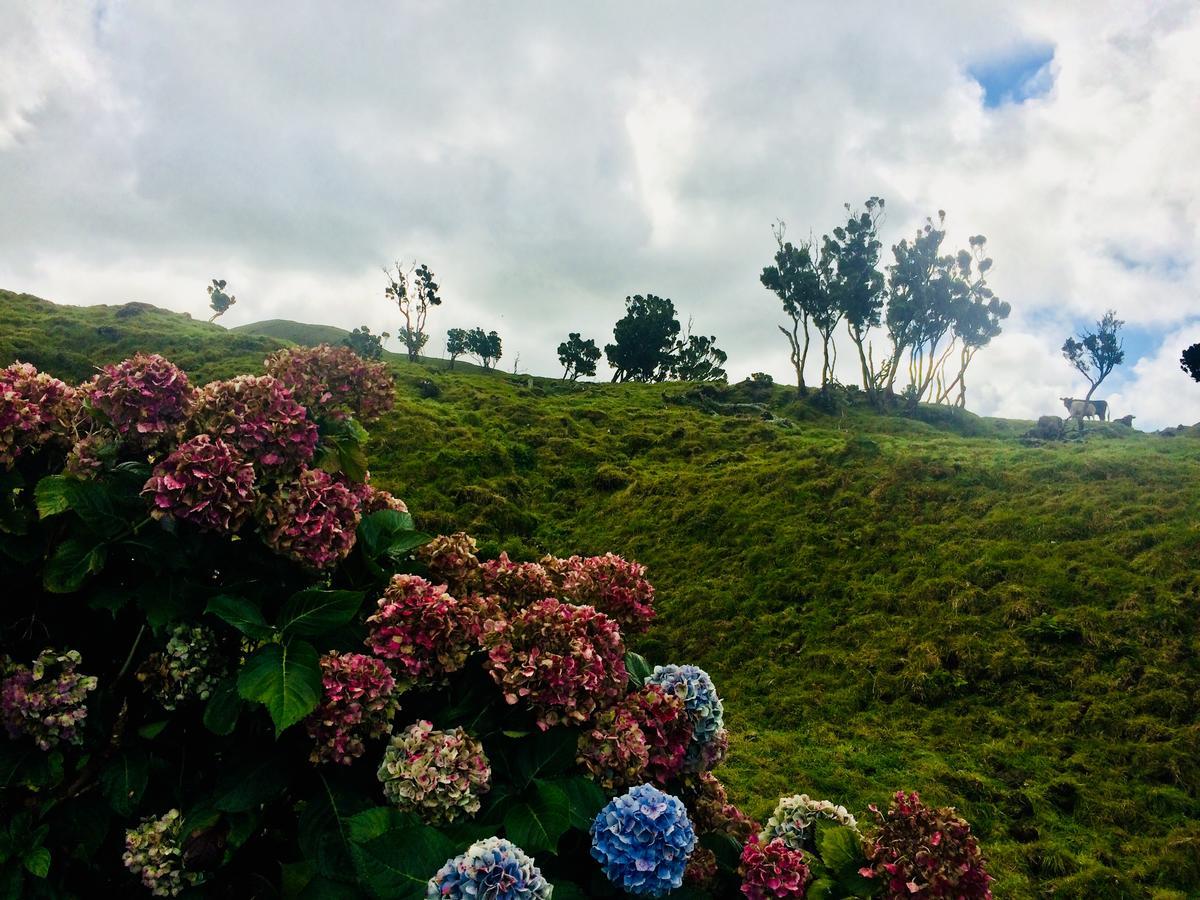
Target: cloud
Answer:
pixel 547 161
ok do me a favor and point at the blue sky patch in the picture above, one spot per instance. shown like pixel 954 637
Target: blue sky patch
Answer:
pixel 1015 77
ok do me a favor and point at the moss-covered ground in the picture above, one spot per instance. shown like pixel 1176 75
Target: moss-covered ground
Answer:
pixel 884 602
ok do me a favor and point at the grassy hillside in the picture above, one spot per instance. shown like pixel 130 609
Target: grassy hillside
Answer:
pixel 883 602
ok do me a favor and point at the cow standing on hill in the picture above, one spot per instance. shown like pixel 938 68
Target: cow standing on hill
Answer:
pixel 1085 409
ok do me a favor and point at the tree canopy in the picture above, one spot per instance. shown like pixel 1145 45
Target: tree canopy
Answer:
pixel 457 344
pixel 644 340
pixel 1096 352
pixel 365 344
pixel 578 357
pixel 484 346
pixel 1190 361
pixel 414 292
pixel 218 300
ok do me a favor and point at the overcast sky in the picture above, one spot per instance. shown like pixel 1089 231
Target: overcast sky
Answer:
pixel 547 159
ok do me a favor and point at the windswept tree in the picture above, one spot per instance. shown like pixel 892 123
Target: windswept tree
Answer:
pixel 857 284
pixel 457 343
pixel 644 340
pixel 365 344
pixel 977 314
pixel 484 346
pixel 1190 361
pixel 801 278
pixel 578 357
pixel 1095 353
pixel 218 300
pixel 698 358
pixel 414 292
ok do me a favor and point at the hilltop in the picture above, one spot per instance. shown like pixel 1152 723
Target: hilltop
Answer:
pixel 884 602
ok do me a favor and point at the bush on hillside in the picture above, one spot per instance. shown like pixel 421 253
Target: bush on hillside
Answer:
pixel 232 666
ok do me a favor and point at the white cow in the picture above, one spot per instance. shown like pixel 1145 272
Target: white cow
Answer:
pixel 1084 409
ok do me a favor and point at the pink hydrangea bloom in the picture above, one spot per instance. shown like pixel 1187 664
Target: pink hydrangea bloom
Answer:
pixel 564 661
pixel 358 702
pixel 372 499
pixel 926 850
pixel 47 700
pixel 519 584
pixel 439 775
pixel 613 748
pixel 615 586
pixel 452 561
pixel 35 408
pixel 88 454
pixel 258 415
pixel 205 482
pixel 145 398
pixel 423 630
pixel 311 519
pixel 334 381
pixel 772 870
pixel 664 722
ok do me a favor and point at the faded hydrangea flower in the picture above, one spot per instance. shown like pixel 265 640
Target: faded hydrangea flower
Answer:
pixel 615 586
pixel 642 841
pixel 451 560
pixel 311 519
pixel 712 811
pixel 145 398
pixel 153 852
pixel 564 661
pixel 358 702
pixel 204 482
pixel 439 775
pixel 518 584
pixel 793 818
pixel 189 667
pixel 258 415
pixel 772 869
pixel 45 701
pixel 334 381
pixel 693 686
pixel 612 748
pixel 35 409
pixel 491 869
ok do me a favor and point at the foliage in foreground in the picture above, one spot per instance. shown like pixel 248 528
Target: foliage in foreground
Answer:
pixel 196 568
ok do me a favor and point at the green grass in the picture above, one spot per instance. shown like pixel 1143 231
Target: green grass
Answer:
pixel 884 602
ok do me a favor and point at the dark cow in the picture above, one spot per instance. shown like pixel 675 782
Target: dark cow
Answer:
pixel 1085 409
pixel 1126 421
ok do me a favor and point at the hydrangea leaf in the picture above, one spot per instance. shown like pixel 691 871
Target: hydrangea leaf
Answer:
pixel 316 612
pixel 544 755
pixel 377 531
pixel 242 614
pixel 123 780
pixel 586 800
pixel 398 863
pixel 71 563
pixel 221 711
pixel 637 667
pixel 538 820
pixel 249 786
pixel 37 862
pixel 286 679
pixel 840 850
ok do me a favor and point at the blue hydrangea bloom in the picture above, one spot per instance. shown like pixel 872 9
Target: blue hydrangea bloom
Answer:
pixel 642 840
pixel 493 869
pixel 692 685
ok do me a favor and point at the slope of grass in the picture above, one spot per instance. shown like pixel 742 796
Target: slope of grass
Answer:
pixel 884 602
pixel 295 332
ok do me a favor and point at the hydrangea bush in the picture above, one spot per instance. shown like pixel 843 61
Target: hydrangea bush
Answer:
pixel 233 666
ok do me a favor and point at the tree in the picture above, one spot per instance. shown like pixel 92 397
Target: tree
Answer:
pixel 578 357
pixel 1190 361
pixel 485 347
pixel 785 279
pixel 644 340
pixel 977 314
pixel 365 344
pixel 456 344
pixel 218 300
pixel 857 285
pixel 413 291
pixel 1096 353
pixel 697 358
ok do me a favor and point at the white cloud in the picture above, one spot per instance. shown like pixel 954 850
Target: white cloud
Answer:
pixel 549 160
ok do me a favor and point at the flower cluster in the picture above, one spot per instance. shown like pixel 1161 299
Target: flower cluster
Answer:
pixel 925 850
pixel 45 701
pixel 772 870
pixel 334 381
pixel 518 583
pixel 701 869
pixel 642 840
pixel 491 869
pixel 357 702
pixel 451 560
pixel 439 775
pixel 145 398
pixel 664 722
pixel 311 520
pixel 258 415
pixel 152 850
pixel 613 748
pixel 615 586
pixel 189 667
pixel 793 818
pixel 693 686
pixel 372 499
pixel 88 455
pixel 34 409
pixel 421 628
pixel 565 661
pixel 204 482
pixel 712 810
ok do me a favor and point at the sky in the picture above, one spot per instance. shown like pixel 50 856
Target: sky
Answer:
pixel 546 160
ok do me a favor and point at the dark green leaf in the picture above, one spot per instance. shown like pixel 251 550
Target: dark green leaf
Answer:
pixel 398 863
pixel 537 821
pixel 242 614
pixel 123 780
pixel 70 563
pixel 52 495
pixel 316 612
pixel 725 848
pixel 37 862
pixel 249 786
pixel 151 730
pixel 637 667
pixel 221 711
pixel 286 679
pixel 586 800
pixel 376 530
pixel 544 755
pixel 840 850
pixel 370 823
